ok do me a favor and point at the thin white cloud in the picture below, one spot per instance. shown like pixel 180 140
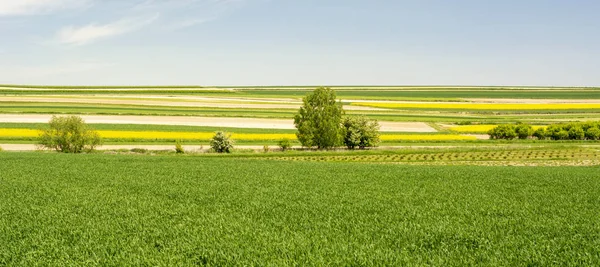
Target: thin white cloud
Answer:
pixel 181 14
pixel 31 7
pixel 185 23
pixel 72 35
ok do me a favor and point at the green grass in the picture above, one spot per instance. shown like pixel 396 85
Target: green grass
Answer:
pixel 73 210
pixel 48 108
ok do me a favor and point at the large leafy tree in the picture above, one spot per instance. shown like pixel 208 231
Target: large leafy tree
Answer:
pixel 319 121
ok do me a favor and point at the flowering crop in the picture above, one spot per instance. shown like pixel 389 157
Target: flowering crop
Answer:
pixel 154 135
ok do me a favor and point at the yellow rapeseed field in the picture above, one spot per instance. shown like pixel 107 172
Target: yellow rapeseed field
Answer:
pixel 483 106
pixel 481 128
pixel 16 133
pixel 19 133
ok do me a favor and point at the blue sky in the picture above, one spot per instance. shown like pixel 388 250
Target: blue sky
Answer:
pixel 300 42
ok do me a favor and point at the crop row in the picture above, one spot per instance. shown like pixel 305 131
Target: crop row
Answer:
pixel 555 154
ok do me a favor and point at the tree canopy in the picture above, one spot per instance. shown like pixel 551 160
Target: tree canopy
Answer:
pixel 319 120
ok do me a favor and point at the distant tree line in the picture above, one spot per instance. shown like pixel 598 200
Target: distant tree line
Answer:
pixel 557 131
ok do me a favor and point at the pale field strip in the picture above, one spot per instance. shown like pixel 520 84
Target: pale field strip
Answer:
pixel 386 126
pixel 219 103
pixel 169 98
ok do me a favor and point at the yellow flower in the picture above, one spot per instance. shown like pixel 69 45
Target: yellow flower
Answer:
pixel 19 133
pixel 236 136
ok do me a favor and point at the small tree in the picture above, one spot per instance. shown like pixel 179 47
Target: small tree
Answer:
pixel 69 134
pixel 319 120
pixel 592 133
pixel 285 144
pixel 523 131
pixel 361 132
pixel 221 142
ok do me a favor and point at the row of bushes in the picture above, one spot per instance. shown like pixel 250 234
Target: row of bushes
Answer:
pixel 558 131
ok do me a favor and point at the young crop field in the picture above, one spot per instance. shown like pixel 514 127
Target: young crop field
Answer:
pixel 206 210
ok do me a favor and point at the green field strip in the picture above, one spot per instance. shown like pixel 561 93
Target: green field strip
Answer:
pixel 228 210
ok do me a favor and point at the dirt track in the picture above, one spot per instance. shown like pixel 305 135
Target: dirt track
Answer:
pixel 417 127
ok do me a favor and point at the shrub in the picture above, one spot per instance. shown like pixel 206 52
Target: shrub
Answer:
pixel 179 148
pixel 576 133
pixel 221 142
pixel 361 132
pixel 540 134
pixel 266 148
pixel 553 131
pixel 523 131
pixel 285 144
pixel 319 120
pixel 591 134
pixel 1 149
pixel 504 131
pixel 562 135
pixel 69 134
